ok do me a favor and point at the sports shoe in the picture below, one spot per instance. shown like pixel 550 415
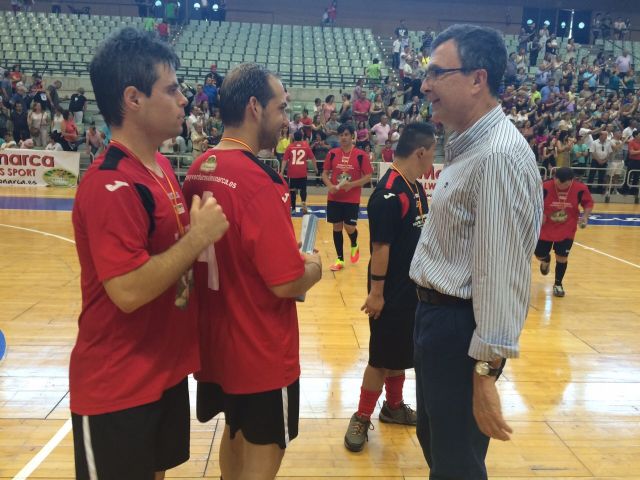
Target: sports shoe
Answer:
pixel 558 291
pixel 544 267
pixel 336 267
pixel 355 254
pixel 357 433
pixel 403 415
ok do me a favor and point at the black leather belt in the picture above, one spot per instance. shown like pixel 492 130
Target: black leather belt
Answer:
pixel 434 297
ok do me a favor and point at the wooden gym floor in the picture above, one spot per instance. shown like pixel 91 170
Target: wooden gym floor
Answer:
pixel 573 398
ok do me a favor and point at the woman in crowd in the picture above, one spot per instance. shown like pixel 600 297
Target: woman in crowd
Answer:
pixel 39 122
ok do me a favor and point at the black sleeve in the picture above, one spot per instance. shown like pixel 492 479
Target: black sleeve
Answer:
pixel 384 216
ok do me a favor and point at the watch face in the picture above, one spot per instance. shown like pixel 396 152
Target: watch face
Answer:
pixel 482 368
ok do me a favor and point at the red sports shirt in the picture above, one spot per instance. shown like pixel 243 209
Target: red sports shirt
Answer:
pixel 125 360
pixel 248 337
pixel 561 212
pixel 296 156
pixel 349 166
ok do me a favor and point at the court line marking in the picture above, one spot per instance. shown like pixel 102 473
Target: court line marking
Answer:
pixel 46 234
pixel 592 249
pixel 35 462
pixel 40 457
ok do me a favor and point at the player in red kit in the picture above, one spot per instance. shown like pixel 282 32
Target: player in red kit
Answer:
pixel 295 161
pixel 249 340
pixel 137 332
pixel 563 197
pixel 346 170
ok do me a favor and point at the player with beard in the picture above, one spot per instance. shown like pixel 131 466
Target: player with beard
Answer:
pixel 563 197
pixel 247 286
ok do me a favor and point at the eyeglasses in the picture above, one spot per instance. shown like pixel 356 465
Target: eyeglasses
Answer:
pixel 435 73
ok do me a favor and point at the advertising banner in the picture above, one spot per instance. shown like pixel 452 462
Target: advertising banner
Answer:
pixel 43 168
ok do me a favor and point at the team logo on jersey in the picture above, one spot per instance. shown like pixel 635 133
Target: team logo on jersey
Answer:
pixel 210 164
pixel 285 197
pixel 112 187
pixel 559 216
pixel 389 195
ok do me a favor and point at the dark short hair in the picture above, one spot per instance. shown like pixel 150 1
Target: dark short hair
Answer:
pixel 564 174
pixel 414 136
pixel 243 82
pixel 297 136
pixel 346 126
pixel 478 48
pixel 127 59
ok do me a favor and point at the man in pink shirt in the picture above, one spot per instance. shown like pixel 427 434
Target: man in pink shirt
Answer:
pixel 361 107
pixel 381 131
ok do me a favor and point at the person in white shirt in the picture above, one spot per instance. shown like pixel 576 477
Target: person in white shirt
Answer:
pixel 397 46
pixel 601 150
pixel 623 62
pixel 627 135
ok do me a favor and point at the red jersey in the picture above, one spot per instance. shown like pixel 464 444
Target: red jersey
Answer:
pixel 296 156
pixel 561 212
pixel 634 144
pixel 122 360
pixel 307 122
pixel 387 155
pixel 248 337
pixel 347 167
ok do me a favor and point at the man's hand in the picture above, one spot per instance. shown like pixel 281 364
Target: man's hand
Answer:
pixel 487 410
pixel 208 221
pixel 333 189
pixel 346 186
pixel 373 305
pixel 584 220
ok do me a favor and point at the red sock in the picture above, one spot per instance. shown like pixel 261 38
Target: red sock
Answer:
pixel 393 386
pixel 367 403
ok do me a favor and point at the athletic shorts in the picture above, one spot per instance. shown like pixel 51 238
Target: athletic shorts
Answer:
pixel 135 443
pixel 391 340
pixel 297 183
pixel 561 248
pixel 264 418
pixel 343 212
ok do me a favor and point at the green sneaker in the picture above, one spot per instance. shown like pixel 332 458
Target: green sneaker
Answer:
pixel 403 415
pixel 357 433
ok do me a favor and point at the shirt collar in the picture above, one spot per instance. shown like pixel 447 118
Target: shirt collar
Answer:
pixel 460 142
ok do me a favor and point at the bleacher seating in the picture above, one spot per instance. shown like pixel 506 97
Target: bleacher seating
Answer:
pixel 302 55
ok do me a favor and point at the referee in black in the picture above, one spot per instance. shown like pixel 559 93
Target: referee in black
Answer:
pixel 397 210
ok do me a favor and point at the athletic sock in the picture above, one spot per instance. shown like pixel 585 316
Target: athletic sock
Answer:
pixel 561 269
pixel 353 237
pixel 393 387
pixel 338 241
pixel 368 399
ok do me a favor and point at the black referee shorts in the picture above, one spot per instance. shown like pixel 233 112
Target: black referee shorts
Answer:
pixel 391 340
pixel 135 443
pixel 343 212
pixel 264 418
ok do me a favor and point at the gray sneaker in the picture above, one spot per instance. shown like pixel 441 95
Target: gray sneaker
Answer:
pixel 403 415
pixel 357 433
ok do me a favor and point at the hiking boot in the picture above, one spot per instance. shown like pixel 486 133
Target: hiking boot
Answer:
pixel 544 267
pixel 403 415
pixel 558 291
pixel 357 433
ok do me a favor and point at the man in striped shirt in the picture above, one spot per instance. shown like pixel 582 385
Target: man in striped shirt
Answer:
pixel 472 264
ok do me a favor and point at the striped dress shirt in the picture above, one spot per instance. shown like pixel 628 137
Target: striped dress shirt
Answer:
pixel 481 231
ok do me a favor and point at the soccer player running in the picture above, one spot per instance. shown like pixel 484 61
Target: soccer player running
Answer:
pixel 346 170
pixel 563 197
pixel 249 337
pixel 295 161
pixel 137 333
pixel 397 210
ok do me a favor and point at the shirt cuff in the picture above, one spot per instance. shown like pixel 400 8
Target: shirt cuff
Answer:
pixel 481 350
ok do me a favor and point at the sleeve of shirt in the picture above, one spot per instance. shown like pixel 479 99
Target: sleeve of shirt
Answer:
pixel 116 225
pixel 384 216
pixel 268 239
pixel 508 217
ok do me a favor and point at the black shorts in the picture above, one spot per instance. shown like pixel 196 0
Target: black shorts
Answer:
pixel 297 183
pixel 391 340
pixel 561 248
pixel 135 443
pixel 343 212
pixel 264 418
